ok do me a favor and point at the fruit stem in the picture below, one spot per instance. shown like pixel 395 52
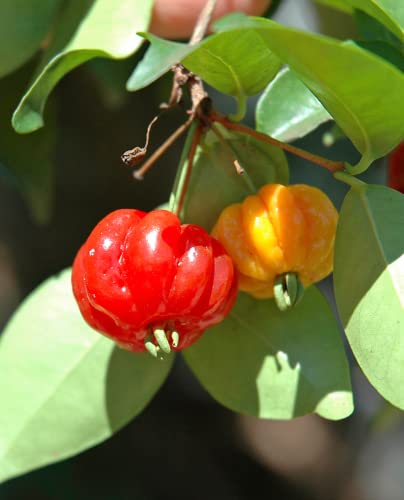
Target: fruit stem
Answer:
pixel 288 291
pixel 332 166
pixel 184 173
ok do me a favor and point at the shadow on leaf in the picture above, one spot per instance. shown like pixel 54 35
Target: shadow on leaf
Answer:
pixel 269 364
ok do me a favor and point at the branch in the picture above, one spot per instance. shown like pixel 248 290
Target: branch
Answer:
pixel 203 22
pixel 332 166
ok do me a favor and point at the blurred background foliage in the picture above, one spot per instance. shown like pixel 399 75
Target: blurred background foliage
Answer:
pixel 55 185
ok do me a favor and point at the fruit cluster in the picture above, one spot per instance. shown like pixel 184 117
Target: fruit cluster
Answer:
pixel 148 282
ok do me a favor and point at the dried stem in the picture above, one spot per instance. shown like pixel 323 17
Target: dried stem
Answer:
pixel 239 169
pixel 332 166
pixel 136 155
pixel 139 174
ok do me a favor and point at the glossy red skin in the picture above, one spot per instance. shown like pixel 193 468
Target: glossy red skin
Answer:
pixel 395 178
pixel 139 271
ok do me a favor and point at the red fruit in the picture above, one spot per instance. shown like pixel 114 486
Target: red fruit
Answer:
pixel 395 177
pixel 139 273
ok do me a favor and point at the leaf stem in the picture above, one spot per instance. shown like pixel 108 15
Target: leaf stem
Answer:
pixel 332 166
pixel 241 110
pixel 361 166
pixel 355 183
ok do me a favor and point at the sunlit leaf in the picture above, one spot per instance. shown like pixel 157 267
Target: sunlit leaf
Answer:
pixel 63 386
pixel 234 63
pixel 239 65
pixel 369 284
pixel 347 80
pixel 160 56
pixel 287 110
pixel 86 30
pixel 269 364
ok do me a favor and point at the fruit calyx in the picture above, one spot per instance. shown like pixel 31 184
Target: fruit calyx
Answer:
pixel 162 338
pixel 288 291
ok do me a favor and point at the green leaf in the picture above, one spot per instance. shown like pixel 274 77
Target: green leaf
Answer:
pixel 236 64
pixel 385 50
pixel 388 12
pixel 160 56
pixel 23 27
pixel 371 29
pixel 63 386
pixel 348 81
pixel 215 183
pixel 369 284
pixel 287 110
pixel 28 159
pixel 379 40
pixel 105 29
pixel 269 364
pixel 342 5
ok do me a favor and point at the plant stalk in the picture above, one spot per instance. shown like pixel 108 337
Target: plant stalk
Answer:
pixel 332 166
pixel 182 178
